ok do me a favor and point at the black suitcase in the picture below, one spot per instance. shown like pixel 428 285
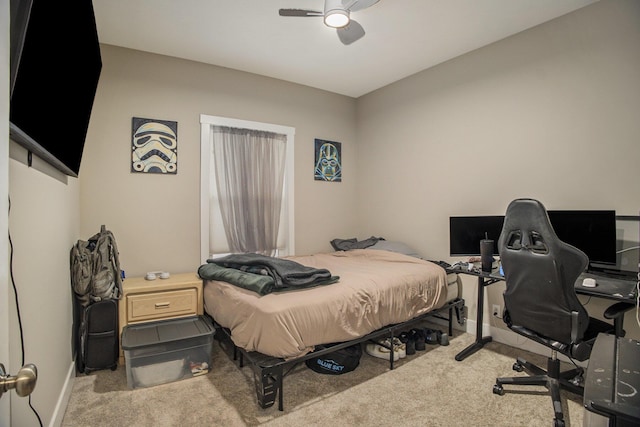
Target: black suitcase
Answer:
pixel 97 336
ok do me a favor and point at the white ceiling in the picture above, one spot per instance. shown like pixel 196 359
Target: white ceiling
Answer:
pixel 403 36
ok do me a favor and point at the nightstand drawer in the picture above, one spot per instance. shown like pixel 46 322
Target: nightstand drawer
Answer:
pixel 162 305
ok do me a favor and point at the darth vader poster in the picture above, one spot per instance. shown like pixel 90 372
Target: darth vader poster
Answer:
pixel 328 161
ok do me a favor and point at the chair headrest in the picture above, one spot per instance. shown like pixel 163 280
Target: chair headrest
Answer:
pixel 526 224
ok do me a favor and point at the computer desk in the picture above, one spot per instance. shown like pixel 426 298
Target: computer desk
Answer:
pixel 621 290
pixel 612 381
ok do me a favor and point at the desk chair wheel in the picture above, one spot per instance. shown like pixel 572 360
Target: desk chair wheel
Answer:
pixel 518 367
pixel 498 389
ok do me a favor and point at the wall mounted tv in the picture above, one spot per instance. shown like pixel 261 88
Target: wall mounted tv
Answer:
pixel 591 231
pixel 55 66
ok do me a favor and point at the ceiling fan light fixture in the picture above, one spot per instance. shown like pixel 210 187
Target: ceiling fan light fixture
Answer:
pixel 336 18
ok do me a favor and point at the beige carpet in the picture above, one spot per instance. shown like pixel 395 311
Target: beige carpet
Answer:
pixel 429 388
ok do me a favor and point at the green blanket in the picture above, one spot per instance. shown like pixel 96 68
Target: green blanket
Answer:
pixel 261 284
pixel 258 283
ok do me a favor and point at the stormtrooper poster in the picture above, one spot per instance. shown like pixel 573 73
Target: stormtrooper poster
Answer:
pixel 154 147
pixel 328 161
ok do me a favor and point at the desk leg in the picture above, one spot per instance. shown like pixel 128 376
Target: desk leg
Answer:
pixel 480 340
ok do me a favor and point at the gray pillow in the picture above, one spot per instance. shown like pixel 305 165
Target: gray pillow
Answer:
pixel 398 247
pixel 343 244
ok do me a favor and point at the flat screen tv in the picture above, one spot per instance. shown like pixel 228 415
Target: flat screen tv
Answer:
pixel 55 66
pixel 591 231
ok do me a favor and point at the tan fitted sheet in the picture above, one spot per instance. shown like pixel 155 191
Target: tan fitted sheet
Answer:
pixel 376 288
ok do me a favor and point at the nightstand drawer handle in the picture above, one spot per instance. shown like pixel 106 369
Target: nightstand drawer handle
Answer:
pixel 163 304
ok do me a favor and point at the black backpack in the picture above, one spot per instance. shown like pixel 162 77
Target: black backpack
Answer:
pixel 336 363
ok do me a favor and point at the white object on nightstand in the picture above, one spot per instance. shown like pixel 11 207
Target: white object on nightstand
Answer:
pixel 152 275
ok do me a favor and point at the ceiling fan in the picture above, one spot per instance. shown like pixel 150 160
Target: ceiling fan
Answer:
pixel 337 15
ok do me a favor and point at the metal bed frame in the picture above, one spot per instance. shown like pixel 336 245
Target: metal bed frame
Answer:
pixel 269 371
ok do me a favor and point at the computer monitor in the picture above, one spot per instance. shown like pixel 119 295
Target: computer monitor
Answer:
pixel 591 231
pixel 465 233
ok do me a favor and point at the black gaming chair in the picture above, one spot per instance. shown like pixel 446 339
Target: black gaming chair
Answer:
pixel 540 300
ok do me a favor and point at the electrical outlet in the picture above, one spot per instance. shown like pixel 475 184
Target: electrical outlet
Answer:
pixel 497 311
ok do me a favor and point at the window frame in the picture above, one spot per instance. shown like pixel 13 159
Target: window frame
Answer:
pixel 206 122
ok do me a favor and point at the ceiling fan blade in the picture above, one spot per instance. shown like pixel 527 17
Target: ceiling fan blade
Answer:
pixel 355 5
pixel 351 33
pixel 299 12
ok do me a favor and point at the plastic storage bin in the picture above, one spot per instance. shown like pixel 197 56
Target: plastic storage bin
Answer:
pixel 165 351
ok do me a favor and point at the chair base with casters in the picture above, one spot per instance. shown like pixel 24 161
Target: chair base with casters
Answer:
pixel 552 379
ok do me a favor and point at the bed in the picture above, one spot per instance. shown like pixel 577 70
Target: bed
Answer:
pixel 379 291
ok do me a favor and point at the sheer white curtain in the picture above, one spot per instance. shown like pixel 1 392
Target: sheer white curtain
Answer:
pixel 249 172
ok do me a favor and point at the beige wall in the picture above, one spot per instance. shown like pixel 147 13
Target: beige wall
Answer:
pixel 156 218
pixel 550 113
pixel 44 223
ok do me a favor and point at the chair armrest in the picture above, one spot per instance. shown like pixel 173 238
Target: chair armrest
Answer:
pixel 574 326
pixel 617 310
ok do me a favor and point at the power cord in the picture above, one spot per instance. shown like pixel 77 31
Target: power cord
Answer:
pixel 633 248
pixel 15 292
pixel 588 300
pixel 638 299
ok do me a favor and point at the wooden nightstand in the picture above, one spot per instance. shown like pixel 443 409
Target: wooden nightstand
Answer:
pixel 149 300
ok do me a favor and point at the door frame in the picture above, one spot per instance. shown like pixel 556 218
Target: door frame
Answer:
pixel 5 401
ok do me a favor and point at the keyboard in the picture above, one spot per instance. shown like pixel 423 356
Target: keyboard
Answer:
pixel 442 264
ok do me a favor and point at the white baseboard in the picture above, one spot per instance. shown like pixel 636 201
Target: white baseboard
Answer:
pixel 63 399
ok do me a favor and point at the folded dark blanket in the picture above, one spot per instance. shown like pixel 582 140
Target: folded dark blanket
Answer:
pixel 285 273
pixel 258 283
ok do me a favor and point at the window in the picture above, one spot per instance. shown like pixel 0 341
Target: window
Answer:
pixel 247 186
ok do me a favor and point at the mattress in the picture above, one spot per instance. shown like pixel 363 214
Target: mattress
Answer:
pixel 377 288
